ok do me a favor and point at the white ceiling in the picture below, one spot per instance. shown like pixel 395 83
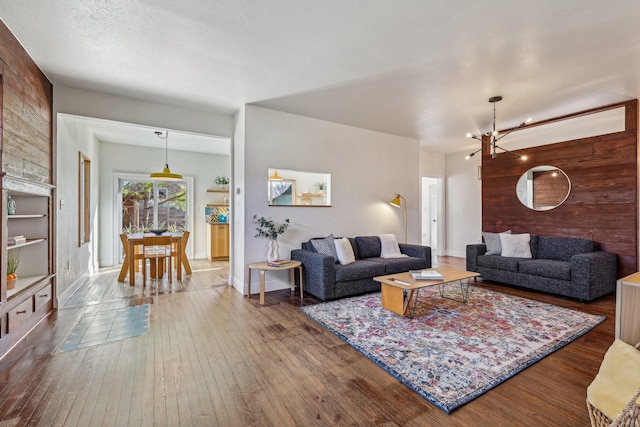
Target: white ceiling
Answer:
pixel 415 68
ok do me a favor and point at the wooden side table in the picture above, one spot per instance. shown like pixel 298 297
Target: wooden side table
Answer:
pixel 627 309
pixel 264 267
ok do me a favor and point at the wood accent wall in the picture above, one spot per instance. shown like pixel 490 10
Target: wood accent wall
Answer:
pixel 26 113
pixel 602 205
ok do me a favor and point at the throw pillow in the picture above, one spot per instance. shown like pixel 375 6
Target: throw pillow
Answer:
pixel 369 246
pixel 325 246
pixel 389 246
pixel 492 240
pixel 617 381
pixel 344 251
pixel 515 245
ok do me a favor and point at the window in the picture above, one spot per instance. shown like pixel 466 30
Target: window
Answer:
pixel 150 204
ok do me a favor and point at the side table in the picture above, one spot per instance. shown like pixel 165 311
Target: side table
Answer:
pixel 264 267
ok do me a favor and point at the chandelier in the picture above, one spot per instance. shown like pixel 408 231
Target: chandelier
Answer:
pixel 494 137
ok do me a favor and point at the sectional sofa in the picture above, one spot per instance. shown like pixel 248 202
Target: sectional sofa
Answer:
pixel 567 266
pixel 327 279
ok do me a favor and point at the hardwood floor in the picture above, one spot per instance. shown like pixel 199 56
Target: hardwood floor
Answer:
pixel 215 358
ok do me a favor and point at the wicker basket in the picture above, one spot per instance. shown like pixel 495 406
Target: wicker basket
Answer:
pixel 629 417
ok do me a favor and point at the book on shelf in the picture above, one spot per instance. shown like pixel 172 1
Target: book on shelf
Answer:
pixel 426 275
pixel 15 240
pixel 279 263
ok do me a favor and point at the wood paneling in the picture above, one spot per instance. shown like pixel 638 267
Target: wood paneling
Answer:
pixel 26 114
pixel 602 205
pixel 26 141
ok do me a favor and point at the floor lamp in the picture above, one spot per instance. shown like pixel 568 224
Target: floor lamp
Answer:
pixel 396 202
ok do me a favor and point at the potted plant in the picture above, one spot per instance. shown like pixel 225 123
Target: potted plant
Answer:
pixel 222 181
pixel 268 229
pixel 320 186
pixel 13 259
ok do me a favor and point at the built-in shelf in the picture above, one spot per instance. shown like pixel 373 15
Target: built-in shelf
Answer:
pixel 27 243
pixel 311 194
pixel 24 283
pixel 24 216
pixel 215 205
pixel 217 190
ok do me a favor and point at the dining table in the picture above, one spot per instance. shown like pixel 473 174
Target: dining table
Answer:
pixel 135 239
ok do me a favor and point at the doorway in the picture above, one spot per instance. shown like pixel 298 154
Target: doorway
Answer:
pixel 432 218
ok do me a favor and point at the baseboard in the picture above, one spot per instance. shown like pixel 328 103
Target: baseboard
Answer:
pixel 62 298
pixel 458 254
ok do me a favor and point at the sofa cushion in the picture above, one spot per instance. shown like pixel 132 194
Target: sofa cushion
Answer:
pixel 553 269
pixel 399 265
pixel 344 251
pixel 492 240
pixel 562 248
pixel 359 270
pixel 369 246
pixel 516 245
pixel 498 262
pixel 325 246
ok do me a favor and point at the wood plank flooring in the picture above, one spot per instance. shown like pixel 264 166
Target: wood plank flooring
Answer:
pixel 215 358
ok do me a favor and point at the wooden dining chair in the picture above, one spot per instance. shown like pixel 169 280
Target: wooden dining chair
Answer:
pixel 156 249
pixel 183 248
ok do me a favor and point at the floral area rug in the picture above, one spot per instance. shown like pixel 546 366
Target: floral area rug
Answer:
pixel 452 352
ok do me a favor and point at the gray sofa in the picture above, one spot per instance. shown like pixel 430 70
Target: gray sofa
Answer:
pixel 326 279
pixel 568 266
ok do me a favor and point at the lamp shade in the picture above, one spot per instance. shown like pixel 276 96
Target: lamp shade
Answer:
pixel 166 175
pixel 275 176
pixel 396 201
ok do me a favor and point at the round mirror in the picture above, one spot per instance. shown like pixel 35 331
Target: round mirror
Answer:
pixel 543 188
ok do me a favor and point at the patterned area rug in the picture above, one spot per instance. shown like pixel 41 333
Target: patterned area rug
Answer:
pixel 452 352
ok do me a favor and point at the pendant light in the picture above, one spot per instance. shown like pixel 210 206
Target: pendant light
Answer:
pixel 166 174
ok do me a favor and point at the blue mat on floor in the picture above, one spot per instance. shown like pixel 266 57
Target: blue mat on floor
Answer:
pixel 108 326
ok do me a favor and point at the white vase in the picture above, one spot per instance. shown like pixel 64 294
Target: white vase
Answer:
pixel 272 250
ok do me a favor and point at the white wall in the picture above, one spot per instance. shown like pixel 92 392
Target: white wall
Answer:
pixel 367 168
pixel 464 203
pixel 72 262
pixel 237 264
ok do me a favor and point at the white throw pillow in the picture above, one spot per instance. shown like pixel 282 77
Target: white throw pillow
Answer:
pixel 344 251
pixel 516 245
pixel 492 240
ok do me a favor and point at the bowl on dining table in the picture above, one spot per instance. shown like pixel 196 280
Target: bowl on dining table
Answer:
pixel 158 232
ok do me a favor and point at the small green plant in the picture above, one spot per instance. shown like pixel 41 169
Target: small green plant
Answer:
pixel 267 227
pixel 221 180
pixel 13 260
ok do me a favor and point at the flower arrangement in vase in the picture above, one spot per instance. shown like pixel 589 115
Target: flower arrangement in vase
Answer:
pixel 268 229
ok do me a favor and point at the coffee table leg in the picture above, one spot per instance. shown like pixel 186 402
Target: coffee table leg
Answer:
pixel 414 295
pixel 464 289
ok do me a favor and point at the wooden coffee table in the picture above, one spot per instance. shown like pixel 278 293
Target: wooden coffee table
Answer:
pixel 399 292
